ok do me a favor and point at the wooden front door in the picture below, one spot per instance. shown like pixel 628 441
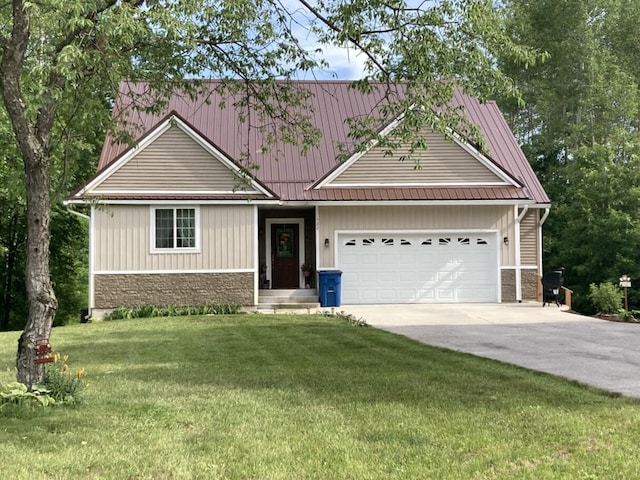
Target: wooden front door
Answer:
pixel 285 255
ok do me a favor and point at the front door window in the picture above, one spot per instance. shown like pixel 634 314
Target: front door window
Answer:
pixel 285 247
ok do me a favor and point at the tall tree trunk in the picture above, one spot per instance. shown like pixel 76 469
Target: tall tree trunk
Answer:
pixel 42 300
pixel 33 138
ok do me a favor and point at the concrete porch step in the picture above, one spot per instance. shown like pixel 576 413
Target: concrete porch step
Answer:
pixel 303 295
pixel 303 298
pixel 293 292
pixel 288 306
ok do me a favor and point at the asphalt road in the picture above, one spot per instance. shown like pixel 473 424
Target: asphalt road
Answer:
pixel 591 351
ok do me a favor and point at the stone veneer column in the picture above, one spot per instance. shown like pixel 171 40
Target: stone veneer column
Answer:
pixel 530 280
pixel 508 285
pixel 529 284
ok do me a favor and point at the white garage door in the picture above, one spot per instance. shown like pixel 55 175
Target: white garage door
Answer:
pixel 418 267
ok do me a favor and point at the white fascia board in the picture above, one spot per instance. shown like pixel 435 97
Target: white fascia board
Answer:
pixel 374 203
pixel 423 184
pixel 240 201
pixel 152 137
pixel 178 192
pixel 303 203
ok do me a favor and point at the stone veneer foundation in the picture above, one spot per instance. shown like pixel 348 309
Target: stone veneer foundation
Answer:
pixel 173 289
pixel 529 280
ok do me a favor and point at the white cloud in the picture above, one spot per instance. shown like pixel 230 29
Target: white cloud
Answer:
pixel 344 63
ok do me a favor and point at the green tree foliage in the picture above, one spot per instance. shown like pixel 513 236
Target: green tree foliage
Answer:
pixel 579 129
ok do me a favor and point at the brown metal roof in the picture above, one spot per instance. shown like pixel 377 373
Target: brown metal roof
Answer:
pixel 288 173
pixel 401 194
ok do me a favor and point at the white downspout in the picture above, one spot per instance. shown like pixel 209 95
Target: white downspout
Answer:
pixel 517 248
pixel 317 240
pixel 542 220
pixel 92 280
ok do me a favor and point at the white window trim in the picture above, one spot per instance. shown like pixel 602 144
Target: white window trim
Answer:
pixel 152 229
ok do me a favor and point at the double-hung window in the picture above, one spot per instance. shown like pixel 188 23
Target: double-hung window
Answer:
pixel 174 229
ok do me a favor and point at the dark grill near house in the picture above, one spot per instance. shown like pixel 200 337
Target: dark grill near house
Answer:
pixel 551 284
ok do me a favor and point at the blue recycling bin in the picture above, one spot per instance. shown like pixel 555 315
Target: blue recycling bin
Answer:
pixel 330 283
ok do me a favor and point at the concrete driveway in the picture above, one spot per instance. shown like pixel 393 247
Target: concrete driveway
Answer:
pixel 591 351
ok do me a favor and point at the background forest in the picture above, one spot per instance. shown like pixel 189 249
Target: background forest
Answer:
pixel 579 130
pixel 579 127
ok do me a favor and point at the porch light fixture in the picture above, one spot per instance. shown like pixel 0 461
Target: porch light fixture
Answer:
pixel 326 243
pixel 506 240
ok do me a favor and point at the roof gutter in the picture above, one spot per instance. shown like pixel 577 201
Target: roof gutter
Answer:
pixel 545 215
pixel 78 214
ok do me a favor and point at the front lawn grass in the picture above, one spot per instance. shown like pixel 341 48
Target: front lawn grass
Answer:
pixel 307 397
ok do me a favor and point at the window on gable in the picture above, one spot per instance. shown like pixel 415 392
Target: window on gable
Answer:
pixel 174 229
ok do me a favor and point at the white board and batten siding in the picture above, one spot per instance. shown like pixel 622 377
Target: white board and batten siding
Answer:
pixel 173 162
pixel 123 244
